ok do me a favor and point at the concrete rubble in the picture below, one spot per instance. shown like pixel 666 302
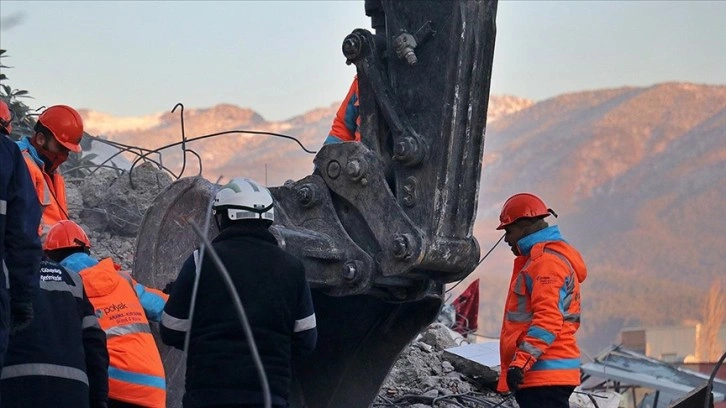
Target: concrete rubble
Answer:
pixel 110 207
pixel 423 377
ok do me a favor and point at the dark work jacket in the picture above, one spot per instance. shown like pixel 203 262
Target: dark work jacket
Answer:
pixel 276 297
pixel 20 251
pixel 60 360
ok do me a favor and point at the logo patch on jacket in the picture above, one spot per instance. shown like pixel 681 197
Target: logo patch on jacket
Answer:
pixel 50 273
pixel 117 307
pixel 545 280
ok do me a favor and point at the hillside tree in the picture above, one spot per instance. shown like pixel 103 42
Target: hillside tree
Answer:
pixel 709 347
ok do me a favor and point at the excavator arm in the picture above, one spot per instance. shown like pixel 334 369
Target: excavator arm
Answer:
pixel 380 225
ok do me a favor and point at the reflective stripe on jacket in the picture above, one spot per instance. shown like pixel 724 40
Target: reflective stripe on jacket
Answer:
pixel 51 189
pixel 63 348
pixel 346 124
pixel 542 312
pixel 272 285
pixel 135 372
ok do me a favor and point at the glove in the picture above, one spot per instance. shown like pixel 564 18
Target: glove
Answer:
pixel 515 377
pixel 21 314
pixel 169 286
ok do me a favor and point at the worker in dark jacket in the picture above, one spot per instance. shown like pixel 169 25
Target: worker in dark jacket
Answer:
pixel 60 359
pixel 19 243
pixel 274 291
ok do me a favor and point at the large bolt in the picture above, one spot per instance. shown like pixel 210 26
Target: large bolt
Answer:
pixel 353 169
pixel 401 248
pixel 400 149
pixel 408 200
pixel 408 151
pixel 352 47
pixel 350 271
pixel 333 169
pixel 306 195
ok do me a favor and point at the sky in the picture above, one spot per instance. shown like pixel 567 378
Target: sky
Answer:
pixel 283 58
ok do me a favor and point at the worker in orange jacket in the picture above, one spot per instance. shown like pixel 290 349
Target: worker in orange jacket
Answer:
pixel 58 132
pixel 346 124
pixel 540 358
pixel 124 307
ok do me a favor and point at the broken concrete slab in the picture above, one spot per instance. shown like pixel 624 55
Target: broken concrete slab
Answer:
pixel 479 361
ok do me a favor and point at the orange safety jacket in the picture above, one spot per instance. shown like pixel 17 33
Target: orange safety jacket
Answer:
pixel 346 124
pixel 135 372
pixel 51 189
pixel 542 312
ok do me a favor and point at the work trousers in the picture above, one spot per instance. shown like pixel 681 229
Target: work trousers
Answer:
pixel 556 396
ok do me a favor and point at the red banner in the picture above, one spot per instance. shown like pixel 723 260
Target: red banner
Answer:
pixel 467 309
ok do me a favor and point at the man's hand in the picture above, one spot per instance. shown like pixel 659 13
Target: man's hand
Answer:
pixel 515 377
pixel 21 314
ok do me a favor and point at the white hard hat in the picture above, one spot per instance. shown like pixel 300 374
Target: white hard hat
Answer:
pixel 244 198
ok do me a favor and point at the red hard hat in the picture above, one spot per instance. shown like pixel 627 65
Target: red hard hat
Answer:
pixel 66 234
pixel 6 118
pixel 65 124
pixel 522 205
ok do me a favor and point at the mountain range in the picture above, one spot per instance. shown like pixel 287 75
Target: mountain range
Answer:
pixel 637 175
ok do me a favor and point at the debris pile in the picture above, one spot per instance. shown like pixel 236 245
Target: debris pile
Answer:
pixel 110 206
pixel 423 377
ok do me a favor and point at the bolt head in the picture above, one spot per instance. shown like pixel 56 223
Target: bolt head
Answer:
pixel 353 169
pixel 349 271
pixel 352 47
pixel 408 201
pixel 304 195
pixel 400 246
pixel 333 169
pixel 400 149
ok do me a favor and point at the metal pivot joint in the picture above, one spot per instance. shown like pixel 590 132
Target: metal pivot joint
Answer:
pixel 360 47
pixel 354 46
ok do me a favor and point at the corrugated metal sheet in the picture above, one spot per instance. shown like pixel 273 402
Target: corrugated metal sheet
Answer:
pixel 631 368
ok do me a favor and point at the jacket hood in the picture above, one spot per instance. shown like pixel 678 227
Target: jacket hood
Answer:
pixel 572 255
pixel 552 239
pixel 25 144
pixel 99 278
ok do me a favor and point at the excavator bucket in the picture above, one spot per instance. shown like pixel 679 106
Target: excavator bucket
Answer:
pixel 165 240
pixel 380 225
